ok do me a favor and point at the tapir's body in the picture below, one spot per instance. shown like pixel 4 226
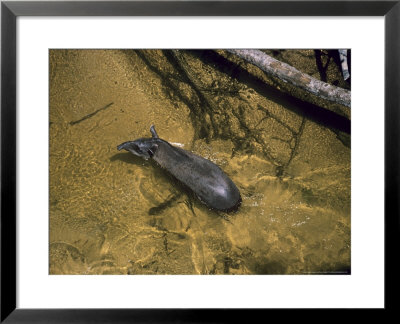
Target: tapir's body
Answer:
pixel 211 185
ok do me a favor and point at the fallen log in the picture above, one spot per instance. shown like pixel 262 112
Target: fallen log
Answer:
pixel 293 76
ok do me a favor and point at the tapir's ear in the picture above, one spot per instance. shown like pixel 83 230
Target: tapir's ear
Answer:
pixel 153 132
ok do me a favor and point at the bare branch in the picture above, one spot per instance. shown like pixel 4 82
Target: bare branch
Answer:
pixel 299 79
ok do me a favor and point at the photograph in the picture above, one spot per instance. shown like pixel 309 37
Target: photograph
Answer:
pixel 199 161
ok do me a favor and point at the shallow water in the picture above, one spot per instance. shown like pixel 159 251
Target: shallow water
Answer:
pixel 114 213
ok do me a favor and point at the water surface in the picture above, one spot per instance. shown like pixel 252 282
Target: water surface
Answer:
pixel 114 213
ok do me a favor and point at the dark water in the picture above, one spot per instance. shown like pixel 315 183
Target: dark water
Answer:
pixel 114 213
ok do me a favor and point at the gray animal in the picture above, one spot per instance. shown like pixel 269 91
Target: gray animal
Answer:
pixel 210 184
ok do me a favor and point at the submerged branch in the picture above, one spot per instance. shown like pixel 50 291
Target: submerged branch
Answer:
pixel 293 76
pixel 90 115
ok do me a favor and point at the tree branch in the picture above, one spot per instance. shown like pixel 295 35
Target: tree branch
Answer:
pixel 293 76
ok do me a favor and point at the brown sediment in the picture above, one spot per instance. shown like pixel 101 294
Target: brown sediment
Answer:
pixel 117 214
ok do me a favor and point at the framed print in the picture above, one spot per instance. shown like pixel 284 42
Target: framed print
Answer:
pixel 174 160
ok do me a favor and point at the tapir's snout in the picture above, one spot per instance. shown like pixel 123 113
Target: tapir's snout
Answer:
pixel 127 146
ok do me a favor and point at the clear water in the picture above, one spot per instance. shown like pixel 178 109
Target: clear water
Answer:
pixel 114 213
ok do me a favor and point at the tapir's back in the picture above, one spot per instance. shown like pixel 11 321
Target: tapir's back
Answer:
pixel 206 179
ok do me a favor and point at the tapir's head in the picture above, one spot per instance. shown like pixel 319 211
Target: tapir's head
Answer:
pixel 143 147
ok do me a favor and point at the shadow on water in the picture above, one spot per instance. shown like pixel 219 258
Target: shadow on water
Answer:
pixel 127 158
pixel 177 187
pixel 161 175
pixel 170 202
pixel 313 112
pixel 321 67
pixel 167 79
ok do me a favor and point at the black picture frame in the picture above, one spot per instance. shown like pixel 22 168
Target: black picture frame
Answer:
pixel 10 10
